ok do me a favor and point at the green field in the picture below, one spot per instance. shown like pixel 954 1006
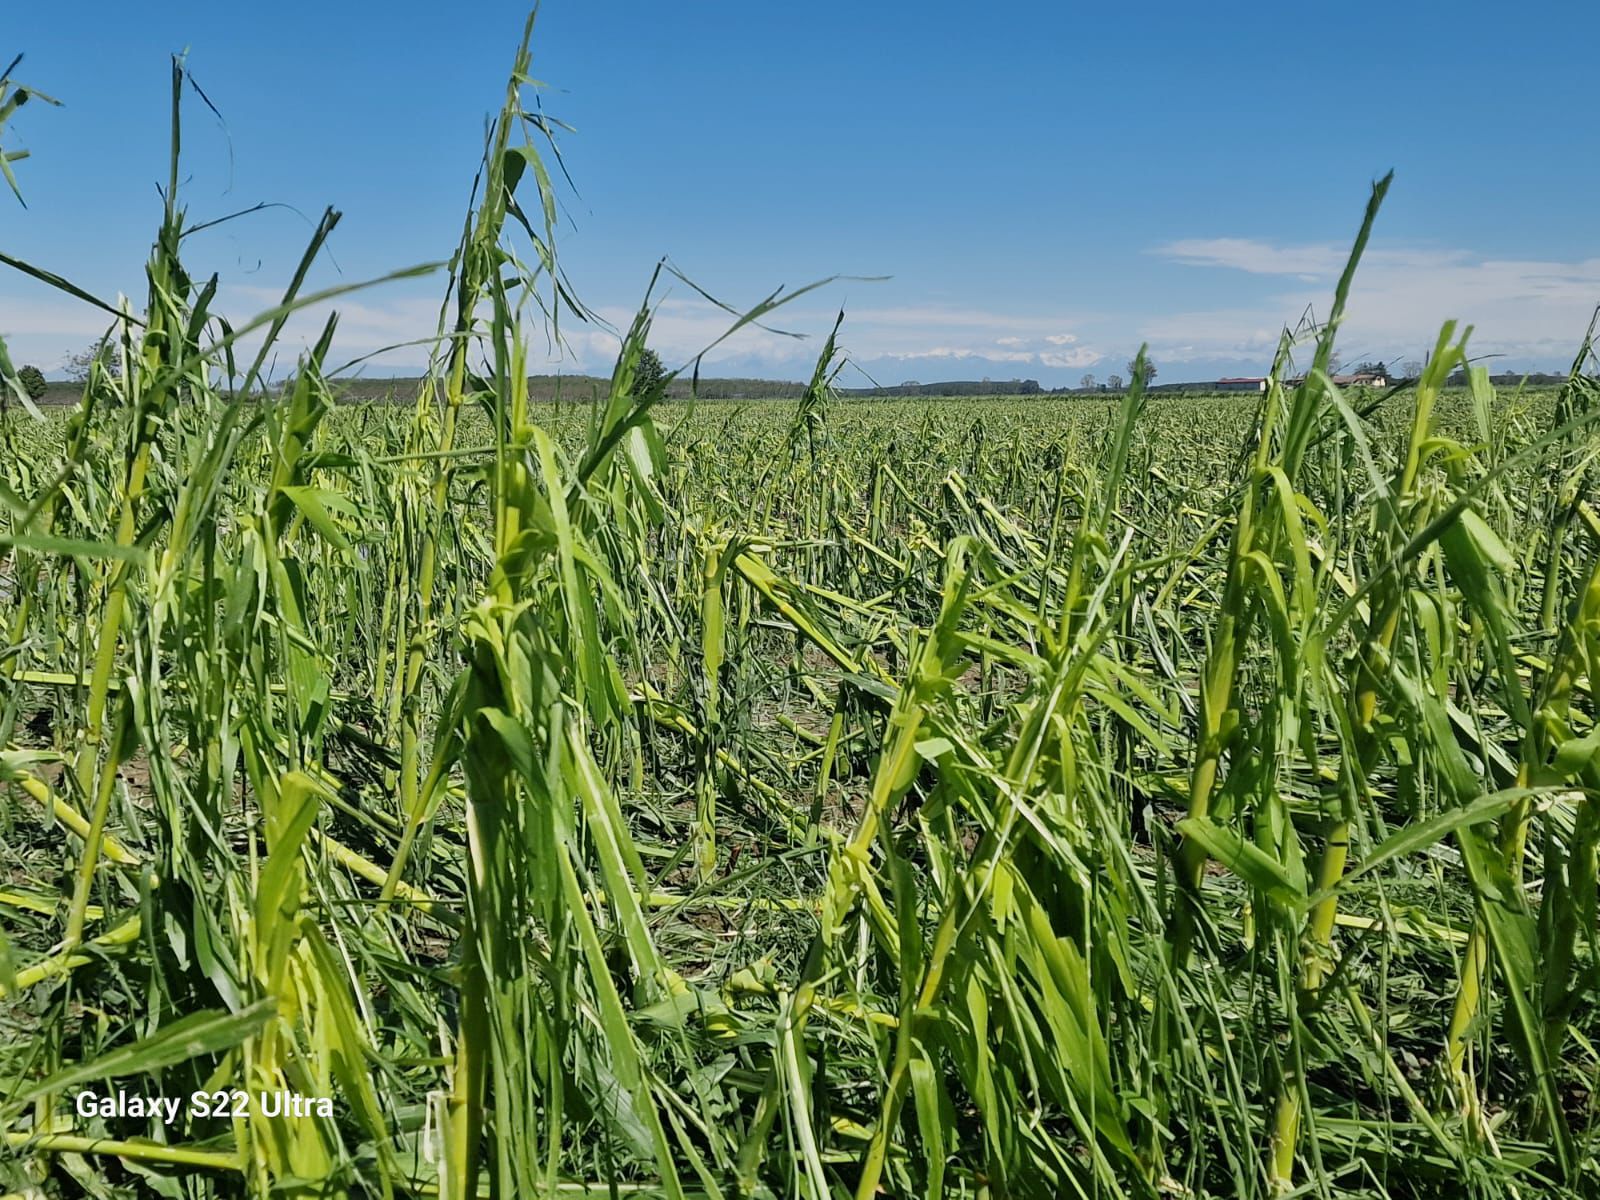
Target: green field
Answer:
pixel 1036 797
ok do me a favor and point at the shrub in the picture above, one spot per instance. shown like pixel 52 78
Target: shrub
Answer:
pixel 648 373
pixel 32 380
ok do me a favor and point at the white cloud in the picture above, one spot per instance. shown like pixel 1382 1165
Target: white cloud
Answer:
pixel 958 353
pixel 1532 310
pixel 1081 357
pixel 1256 257
pixel 42 332
pixel 935 316
pixel 1527 309
pixel 891 334
pixel 406 316
pixel 1237 333
pixel 24 318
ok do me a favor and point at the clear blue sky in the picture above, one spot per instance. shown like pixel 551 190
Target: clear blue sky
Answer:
pixel 1047 184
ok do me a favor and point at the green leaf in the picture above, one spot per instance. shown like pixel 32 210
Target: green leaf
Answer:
pixel 1574 754
pixel 1422 834
pixel 75 548
pixel 1244 859
pixel 208 1032
pixel 314 504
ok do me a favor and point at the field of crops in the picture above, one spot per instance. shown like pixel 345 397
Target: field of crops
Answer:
pixel 985 798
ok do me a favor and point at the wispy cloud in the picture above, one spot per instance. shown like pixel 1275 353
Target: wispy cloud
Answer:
pixel 1531 310
pixel 1316 260
pixel 925 339
pixel 684 327
pixel 1080 357
pixel 42 332
pixel 903 335
pixel 1525 309
pixel 960 353
pixel 1248 254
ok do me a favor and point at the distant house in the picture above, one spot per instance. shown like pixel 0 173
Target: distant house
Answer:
pixel 1363 377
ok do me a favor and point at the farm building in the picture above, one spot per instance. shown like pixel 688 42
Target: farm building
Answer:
pixel 1257 383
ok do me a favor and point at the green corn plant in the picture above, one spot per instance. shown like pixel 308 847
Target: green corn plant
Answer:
pixel 1285 429
pixel 478 259
pixel 597 795
pixel 1551 755
pixel 1403 511
pixel 1576 397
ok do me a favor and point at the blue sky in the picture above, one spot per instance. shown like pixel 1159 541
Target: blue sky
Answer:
pixel 1047 184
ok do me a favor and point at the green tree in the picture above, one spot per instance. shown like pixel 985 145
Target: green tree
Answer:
pixel 648 373
pixel 79 366
pixel 32 380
